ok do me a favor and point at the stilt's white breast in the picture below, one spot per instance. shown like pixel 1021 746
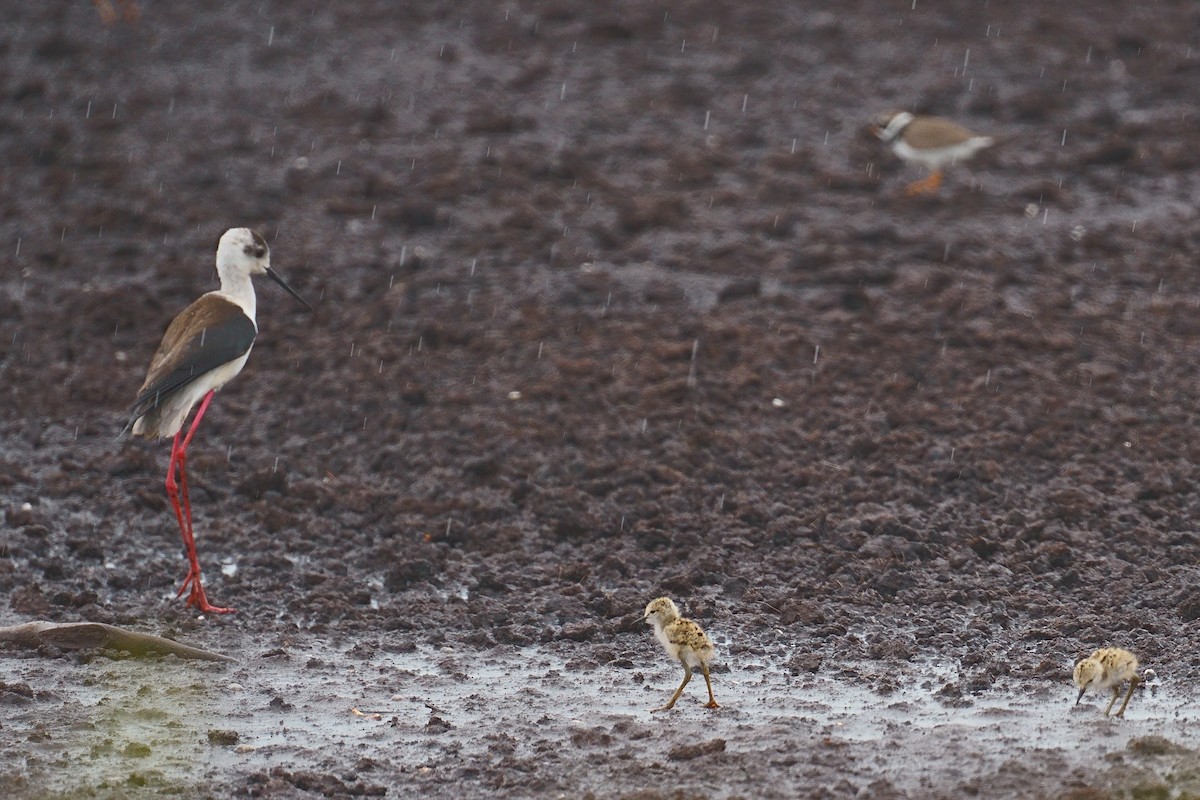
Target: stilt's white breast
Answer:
pixel 175 409
pixel 203 348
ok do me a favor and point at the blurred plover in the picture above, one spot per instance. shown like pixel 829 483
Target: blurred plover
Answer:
pixel 932 142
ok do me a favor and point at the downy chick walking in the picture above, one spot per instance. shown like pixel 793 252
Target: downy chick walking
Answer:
pixel 1108 667
pixel 683 640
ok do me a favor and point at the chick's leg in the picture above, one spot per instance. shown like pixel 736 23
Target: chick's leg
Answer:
pixel 687 676
pixel 1116 692
pixel 712 701
pixel 1133 682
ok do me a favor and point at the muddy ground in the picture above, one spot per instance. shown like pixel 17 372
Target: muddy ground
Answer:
pixel 614 300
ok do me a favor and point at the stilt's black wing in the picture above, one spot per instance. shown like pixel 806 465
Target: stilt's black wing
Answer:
pixel 210 332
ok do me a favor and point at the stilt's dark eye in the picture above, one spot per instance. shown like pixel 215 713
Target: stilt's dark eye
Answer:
pixel 258 251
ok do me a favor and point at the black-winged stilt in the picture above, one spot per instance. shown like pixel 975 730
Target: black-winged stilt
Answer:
pixel 203 349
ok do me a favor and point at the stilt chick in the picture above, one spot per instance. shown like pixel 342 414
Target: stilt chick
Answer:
pixel 1108 667
pixel 684 640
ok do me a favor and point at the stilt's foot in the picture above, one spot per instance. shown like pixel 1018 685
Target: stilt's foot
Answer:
pixel 198 601
pixel 193 578
pixel 927 185
pixel 196 597
pixel 667 707
pixel 712 704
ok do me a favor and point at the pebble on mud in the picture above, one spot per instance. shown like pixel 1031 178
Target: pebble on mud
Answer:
pixel 686 752
pixel 437 725
pixel 1154 745
pixel 222 737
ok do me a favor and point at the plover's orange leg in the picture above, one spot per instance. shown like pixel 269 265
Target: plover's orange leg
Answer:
pixel 927 185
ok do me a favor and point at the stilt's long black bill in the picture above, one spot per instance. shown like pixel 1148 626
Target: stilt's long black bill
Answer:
pixel 273 275
pixel 1081 691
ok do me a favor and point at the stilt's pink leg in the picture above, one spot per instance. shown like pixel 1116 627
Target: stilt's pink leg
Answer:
pixel 185 523
pixel 173 492
pixel 191 584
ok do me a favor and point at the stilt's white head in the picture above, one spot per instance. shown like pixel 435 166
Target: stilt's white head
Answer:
pixel 242 251
pixel 240 254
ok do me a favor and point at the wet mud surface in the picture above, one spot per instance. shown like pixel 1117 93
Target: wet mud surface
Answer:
pixel 612 303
